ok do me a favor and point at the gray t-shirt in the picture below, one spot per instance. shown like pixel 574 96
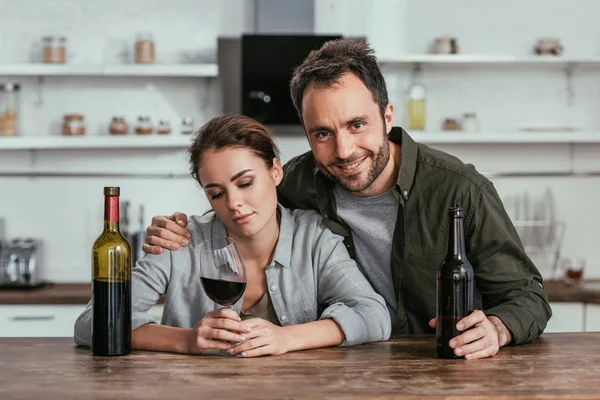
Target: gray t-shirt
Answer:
pixel 372 221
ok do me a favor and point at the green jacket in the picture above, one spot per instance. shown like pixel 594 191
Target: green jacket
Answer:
pixel 508 285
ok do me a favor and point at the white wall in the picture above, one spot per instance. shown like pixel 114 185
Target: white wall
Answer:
pixel 66 213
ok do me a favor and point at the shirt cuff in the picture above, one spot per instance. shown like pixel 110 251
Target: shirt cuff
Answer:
pixel 352 324
pixel 520 326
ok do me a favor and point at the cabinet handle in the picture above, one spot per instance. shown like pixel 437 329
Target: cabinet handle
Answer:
pixel 33 318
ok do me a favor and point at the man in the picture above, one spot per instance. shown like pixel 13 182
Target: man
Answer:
pixel 388 197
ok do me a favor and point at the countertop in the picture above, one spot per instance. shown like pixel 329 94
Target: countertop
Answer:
pixel 50 293
pixel 557 365
pixel 79 293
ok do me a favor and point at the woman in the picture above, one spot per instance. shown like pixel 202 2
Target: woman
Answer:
pixel 303 290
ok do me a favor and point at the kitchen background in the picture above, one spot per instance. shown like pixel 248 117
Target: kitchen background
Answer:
pixel 537 117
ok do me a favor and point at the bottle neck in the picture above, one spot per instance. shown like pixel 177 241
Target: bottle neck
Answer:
pixel 456 239
pixel 111 213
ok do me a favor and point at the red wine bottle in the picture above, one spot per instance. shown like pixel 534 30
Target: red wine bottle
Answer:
pixel 111 284
pixel 454 286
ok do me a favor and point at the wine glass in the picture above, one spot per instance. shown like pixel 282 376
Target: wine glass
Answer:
pixel 222 272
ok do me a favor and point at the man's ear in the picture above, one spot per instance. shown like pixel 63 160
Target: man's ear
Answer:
pixel 388 117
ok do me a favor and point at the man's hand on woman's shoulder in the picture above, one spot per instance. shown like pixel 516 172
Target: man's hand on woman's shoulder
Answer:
pixel 166 233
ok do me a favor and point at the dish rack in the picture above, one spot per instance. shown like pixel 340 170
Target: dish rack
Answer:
pixel 543 242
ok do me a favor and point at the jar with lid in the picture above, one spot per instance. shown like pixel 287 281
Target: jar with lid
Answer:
pixel 73 125
pixel 469 122
pixel 451 124
pixel 144 126
pixel 54 49
pixel 9 108
pixel 118 126
pixel 163 127
pixel 144 48
pixel 187 126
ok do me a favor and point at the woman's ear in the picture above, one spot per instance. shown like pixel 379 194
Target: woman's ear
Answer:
pixel 277 171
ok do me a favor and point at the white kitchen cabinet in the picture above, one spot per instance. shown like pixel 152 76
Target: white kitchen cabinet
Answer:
pixel 38 320
pixel 566 317
pixel 592 318
pixel 46 320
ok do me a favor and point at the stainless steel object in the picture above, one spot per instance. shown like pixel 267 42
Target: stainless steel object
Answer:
pixel 20 264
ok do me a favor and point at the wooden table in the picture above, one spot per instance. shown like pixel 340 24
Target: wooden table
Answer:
pixel 565 366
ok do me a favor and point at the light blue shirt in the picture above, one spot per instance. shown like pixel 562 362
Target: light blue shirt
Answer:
pixel 311 271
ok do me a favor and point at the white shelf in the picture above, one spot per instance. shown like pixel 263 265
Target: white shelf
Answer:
pixel 132 141
pixel 177 141
pixel 484 59
pixel 453 137
pixel 164 70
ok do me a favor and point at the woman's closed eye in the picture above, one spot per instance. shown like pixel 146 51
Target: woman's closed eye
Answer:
pixel 214 196
pixel 246 184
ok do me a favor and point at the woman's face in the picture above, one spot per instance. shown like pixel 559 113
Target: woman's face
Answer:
pixel 241 188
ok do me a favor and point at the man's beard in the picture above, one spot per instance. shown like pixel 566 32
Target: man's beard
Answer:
pixel 353 183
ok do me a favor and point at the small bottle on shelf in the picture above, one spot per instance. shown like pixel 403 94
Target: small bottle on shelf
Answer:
pixel 416 102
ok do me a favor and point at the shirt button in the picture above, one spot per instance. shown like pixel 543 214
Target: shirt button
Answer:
pixel 405 192
pixel 273 287
pixel 283 318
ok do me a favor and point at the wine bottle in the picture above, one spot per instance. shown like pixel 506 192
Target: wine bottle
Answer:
pixel 111 284
pixel 454 286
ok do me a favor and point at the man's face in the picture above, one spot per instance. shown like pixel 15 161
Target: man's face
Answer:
pixel 346 133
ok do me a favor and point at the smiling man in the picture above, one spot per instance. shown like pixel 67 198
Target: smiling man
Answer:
pixel 388 197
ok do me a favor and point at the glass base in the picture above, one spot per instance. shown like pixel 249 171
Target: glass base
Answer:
pixel 225 353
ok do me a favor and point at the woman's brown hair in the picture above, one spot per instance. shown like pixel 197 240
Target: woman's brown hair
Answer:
pixel 229 131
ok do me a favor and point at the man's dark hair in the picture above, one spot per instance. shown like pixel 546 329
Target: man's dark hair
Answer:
pixel 324 67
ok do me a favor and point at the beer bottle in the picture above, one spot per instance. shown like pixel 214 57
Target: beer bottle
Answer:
pixel 454 286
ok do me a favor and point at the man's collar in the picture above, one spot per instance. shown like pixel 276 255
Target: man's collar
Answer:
pixel 408 159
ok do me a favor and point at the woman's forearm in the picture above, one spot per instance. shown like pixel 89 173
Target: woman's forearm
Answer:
pixel 157 337
pixel 313 335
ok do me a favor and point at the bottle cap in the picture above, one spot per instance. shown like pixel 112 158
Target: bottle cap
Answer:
pixel 456 212
pixel 111 191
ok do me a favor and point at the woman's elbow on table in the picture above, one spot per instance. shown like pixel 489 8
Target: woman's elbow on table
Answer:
pixel 82 334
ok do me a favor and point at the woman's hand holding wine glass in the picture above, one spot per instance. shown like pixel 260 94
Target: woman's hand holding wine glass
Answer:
pixel 219 329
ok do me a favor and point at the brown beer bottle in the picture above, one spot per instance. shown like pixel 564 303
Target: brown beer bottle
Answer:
pixel 454 286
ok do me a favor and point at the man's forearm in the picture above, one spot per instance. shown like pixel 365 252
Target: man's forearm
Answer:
pixel 157 337
pixel 504 336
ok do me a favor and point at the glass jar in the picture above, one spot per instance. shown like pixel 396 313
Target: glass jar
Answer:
pixel 9 108
pixel 54 50
pixel 163 127
pixel 144 126
pixel 470 123
pixel 144 48
pixel 73 125
pixel 187 126
pixel 451 124
pixel 118 126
